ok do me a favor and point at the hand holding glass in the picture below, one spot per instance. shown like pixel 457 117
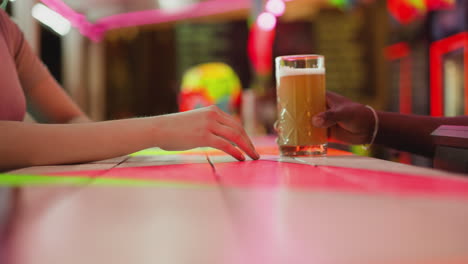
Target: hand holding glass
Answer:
pixel 301 94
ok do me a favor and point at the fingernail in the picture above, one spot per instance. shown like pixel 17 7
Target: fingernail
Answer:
pixel 257 156
pixel 318 121
pixel 242 157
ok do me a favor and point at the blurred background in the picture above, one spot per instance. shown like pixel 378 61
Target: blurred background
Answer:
pixel 127 58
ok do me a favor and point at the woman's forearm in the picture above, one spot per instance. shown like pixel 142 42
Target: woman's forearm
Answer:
pixel 412 133
pixel 79 119
pixel 23 144
pixel 26 144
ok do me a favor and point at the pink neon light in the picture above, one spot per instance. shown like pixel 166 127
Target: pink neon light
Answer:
pixel 406 92
pixel 276 7
pixel 260 48
pixel 401 51
pixel 397 51
pixel 266 21
pixel 95 31
pixel 269 174
pixel 78 20
pixel 437 50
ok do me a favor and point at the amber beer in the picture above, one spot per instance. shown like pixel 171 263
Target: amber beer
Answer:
pixel 300 96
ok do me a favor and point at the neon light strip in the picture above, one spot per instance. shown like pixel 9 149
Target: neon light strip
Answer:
pixel 271 174
pixel 401 51
pixel 437 50
pixel 255 174
pixel 466 73
pixel 397 51
pixel 160 16
pixel 96 31
pixel 78 20
pixel 18 180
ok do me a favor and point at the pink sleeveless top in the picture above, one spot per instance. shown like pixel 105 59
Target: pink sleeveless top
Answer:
pixel 20 70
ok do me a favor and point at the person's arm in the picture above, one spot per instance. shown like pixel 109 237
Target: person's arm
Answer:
pixel 25 144
pixel 412 133
pixel 353 123
pixel 40 88
pixel 50 99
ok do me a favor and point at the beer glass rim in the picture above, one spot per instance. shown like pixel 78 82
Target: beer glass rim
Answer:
pixel 300 57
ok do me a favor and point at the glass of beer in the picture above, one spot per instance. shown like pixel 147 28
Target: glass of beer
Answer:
pixel 300 87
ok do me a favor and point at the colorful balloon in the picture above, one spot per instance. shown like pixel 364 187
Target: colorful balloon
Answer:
pixel 210 84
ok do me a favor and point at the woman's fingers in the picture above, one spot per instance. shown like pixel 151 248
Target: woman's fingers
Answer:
pixel 224 131
pixel 224 145
pixel 331 117
pixel 320 120
pixel 236 129
pixel 235 136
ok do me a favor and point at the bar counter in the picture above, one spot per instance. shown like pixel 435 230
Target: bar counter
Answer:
pixel 202 206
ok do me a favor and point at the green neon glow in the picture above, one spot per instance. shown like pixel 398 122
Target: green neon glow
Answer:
pixel 4 4
pixel 339 3
pixel 22 180
pixel 161 152
pixel 359 150
pixel 419 4
pixel 17 180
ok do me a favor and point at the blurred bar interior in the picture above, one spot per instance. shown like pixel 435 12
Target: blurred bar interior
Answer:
pixel 125 58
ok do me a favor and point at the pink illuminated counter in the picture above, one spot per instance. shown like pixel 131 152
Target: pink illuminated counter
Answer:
pixel 203 207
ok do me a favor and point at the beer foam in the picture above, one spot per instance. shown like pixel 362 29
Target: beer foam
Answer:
pixel 287 71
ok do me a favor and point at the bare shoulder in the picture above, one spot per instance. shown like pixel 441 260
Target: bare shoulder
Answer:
pixel 3 21
pixel 7 26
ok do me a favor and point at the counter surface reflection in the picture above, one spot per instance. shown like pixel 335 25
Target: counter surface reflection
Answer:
pixel 159 207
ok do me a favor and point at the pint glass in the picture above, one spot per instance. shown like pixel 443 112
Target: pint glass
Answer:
pixel 300 84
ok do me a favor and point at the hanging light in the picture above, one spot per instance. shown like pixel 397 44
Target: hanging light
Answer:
pixel 266 21
pixel 276 7
pixel 51 19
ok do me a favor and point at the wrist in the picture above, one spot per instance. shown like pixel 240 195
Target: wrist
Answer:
pixel 79 119
pixel 373 127
pixel 157 134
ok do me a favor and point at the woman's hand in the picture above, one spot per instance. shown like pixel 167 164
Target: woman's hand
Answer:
pixel 204 127
pixel 348 121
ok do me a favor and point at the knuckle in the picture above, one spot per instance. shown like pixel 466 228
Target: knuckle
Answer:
pixel 209 125
pixel 212 113
pixel 237 136
pixel 212 142
pixel 214 108
pixel 237 125
pixel 218 143
pixel 327 115
pixel 330 114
